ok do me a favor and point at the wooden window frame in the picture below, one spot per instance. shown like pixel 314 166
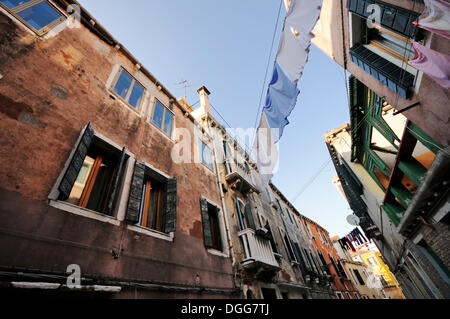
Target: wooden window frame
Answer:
pixel 166 109
pixel 125 100
pixel 24 6
pixel 92 177
pixel 146 205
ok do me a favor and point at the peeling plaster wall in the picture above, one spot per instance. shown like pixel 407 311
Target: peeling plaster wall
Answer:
pixel 50 89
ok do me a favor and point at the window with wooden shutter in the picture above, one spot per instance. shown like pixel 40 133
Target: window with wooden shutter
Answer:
pixel 249 217
pixel 76 164
pixel 397 79
pixel 93 176
pixel 299 256
pixel 135 198
pixel 171 206
pixel 153 200
pixel 394 18
pixel 271 239
pixel 211 225
pixel 207 235
pixel 240 213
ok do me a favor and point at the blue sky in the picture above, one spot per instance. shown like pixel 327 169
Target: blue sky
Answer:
pixel 225 45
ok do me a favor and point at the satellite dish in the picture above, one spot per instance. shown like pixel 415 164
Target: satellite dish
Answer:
pixel 353 220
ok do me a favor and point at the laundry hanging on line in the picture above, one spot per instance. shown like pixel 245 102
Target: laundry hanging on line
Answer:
pixel 434 64
pixel 265 151
pixel 281 99
pixel 282 93
pixel 436 17
pixel 303 15
pixel 293 54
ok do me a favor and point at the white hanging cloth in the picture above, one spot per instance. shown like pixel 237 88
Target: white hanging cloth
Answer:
pixel 303 15
pixel 265 151
pixel 293 54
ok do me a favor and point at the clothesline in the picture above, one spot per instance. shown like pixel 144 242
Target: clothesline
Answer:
pixel 348 242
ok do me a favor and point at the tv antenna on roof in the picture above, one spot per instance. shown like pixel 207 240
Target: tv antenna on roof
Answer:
pixel 186 85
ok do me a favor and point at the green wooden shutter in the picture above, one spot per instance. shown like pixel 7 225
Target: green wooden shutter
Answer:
pixel 112 199
pixel 300 257
pixel 394 18
pixel 394 77
pixel 207 234
pixel 170 218
pixel 249 217
pixel 71 175
pixel 239 214
pixel 135 198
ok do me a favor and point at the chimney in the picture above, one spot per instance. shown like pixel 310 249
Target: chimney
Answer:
pixel 205 106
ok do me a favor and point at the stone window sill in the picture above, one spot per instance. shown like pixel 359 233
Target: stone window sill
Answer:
pixel 73 209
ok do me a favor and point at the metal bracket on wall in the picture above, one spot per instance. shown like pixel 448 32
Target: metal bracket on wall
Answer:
pixel 406 108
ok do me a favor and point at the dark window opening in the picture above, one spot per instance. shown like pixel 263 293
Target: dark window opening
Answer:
pixel 358 276
pixel 269 294
pixel 213 213
pixel 289 248
pixel 271 239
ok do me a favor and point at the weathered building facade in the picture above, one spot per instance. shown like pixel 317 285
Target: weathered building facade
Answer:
pixel 86 170
pixel 376 51
pixel 358 272
pixel 392 160
pixel 395 177
pixel 256 230
pixel 328 261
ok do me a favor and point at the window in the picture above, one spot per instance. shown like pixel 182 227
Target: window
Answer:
pixel 39 15
pixel 287 245
pixel 205 155
pixel 211 225
pixel 383 51
pixel 271 239
pixel 269 294
pixel 163 118
pixel 239 205
pixel 358 276
pixel 92 178
pixel 372 262
pixel 152 204
pixel 153 200
pixel 307 229
pixel 129 90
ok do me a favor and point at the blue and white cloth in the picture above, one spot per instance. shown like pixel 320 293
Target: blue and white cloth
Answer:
pixel 281 99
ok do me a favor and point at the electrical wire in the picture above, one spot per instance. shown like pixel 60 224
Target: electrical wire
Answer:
pixel 312 180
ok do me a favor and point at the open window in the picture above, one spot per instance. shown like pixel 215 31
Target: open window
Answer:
pixel 93 176
pixel 153 200
pixel 151 212
pixel 384 49
pixel 211 225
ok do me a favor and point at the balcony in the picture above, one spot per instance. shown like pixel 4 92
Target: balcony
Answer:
pixel 257 252
pixel 239 177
